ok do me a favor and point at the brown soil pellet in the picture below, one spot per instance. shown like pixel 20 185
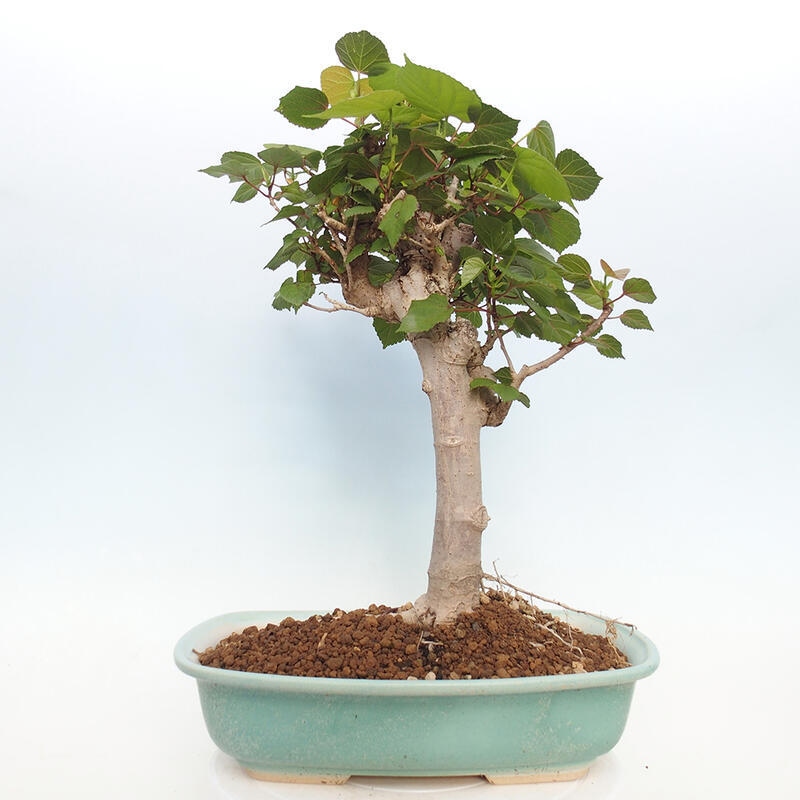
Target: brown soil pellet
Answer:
pixel 501 638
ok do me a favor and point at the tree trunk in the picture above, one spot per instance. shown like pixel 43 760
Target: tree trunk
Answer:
pixel 448 354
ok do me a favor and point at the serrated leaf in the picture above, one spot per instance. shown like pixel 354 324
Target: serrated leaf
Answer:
pixel 474 317
pixel 435 93
pixel 358 211
pixel 301 103
pixel 360 51
pixel 607 346
pixel 492 126
pixel 542 140
pixel 616 274
pixel 337 84
pixel 294 293
pixel 377 102
pixel 557 229
pixel 470 269
pixel 639 289
pixel 287 212
pixel 494 233
pixel 574 268
pixel 380 270
pixel 476 154
pixel 388 332
pixel 244 193
pixel 533 173
pixel 635 318
pixel 505 392
pixel 578 173
pixel 503 374
pixel 289 247
pixel 287 156
pixel 592 292
pixel 215 171
pixel 238 166
pixel 425 314
pixel 398 214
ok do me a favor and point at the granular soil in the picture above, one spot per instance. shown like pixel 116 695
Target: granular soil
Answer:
pixel 502 638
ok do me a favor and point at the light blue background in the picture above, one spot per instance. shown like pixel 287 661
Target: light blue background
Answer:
pixel 172 448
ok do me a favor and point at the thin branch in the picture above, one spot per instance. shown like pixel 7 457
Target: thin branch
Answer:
pixel 332 223
pixel 336 305
pixel 590 330
pixel 505 353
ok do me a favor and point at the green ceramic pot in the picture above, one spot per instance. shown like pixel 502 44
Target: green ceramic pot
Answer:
pixel 324 730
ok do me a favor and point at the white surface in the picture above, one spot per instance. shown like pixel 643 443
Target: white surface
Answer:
pixel 156 415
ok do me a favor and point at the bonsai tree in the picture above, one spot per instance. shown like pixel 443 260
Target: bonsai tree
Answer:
pixel 432 217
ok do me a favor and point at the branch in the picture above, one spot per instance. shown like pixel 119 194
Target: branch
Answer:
pixel 590 330
pixel 335 224
pixel 337 305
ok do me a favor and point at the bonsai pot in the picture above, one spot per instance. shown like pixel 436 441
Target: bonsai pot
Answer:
pixel 323 730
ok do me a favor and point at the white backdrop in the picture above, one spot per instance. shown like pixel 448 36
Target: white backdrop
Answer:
pixel 172 448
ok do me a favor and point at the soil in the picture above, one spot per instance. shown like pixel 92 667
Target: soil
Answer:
pixel 503 638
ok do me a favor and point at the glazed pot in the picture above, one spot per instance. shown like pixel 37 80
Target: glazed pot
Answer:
pixel 323 730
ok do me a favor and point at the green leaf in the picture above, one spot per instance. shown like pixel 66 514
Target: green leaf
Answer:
pixel 635 318
pixel 357 211
pixel 475 155
pixel 388 332
pixel 237 166
pixel 557 329
pixel 534 173
pixel 371 184
pixel 592 292
pixel 359 51
pixel 294 293
pixel 435 93
pixel 607 346
pixel 425 314
pixel 639 289
pixel 578 173
pixel 337 84
pixel 301 103
pixel 287 156
pixel 542 140
pixel 322 182
pixel 287 212
pixel 380 270
pixel 244 193
pixel 374 103
pixel 471 268
pixel 557 229
pixel 474 317
pixel 289 247
pixel 502 390
pixel 574 268
pixel 494 234
pixel 492 126
pixel 394 220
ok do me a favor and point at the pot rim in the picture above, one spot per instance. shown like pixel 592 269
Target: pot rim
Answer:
pixel 636 646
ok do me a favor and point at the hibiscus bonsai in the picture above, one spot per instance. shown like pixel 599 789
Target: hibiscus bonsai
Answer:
pixel 431 216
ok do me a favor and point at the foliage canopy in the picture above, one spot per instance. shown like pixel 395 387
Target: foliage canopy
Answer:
pixel 427 170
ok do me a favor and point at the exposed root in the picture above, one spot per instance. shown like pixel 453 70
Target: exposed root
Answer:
pixel 516 596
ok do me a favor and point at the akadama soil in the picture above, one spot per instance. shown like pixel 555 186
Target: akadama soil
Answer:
pixel 502 638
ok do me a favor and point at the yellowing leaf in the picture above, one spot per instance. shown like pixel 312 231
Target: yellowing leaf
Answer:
pixel 617 274
pixel 337 83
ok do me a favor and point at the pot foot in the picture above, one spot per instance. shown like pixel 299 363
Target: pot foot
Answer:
pixel 554 776
pixel 284 777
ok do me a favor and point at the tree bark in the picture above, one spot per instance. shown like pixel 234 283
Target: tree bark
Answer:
pixel 448 355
